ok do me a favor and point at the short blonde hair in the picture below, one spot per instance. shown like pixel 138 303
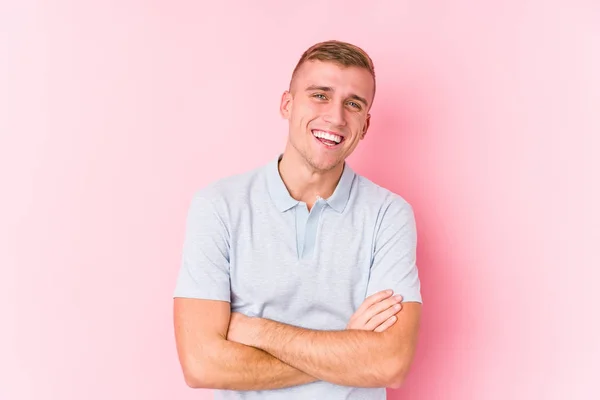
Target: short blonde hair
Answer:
pixel 341 53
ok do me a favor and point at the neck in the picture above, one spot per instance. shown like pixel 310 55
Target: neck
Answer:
pixel 304 182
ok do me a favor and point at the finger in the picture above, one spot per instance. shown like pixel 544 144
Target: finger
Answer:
pixel 383 305
pixel 373 299
pixel 383 316
pixel 365 316
pixel 389 322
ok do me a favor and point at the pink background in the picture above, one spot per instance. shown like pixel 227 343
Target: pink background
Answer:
pixel 113 113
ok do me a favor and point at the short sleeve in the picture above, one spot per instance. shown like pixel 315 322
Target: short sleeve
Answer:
pixel 394 254
pixel 204 269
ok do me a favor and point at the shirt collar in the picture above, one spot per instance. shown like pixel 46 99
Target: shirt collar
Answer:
pixel 341 195
pixel 283 201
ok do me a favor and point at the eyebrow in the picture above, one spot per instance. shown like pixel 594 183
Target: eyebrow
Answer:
pixel 330 89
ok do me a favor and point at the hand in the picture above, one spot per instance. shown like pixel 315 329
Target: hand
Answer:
pixel 240 328
pixel 377 313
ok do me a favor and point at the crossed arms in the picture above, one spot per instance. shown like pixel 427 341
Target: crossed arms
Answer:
pixel 223 350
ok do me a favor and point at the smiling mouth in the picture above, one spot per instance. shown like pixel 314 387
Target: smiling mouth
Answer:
pixel 327 138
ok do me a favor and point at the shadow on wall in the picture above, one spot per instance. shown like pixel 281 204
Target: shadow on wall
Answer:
pixel 395 155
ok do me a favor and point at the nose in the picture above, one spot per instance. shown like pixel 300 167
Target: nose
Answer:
pixel 335 114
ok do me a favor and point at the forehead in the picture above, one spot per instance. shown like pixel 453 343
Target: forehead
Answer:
pixel 346 80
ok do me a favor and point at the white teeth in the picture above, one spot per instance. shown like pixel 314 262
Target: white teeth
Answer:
pixel 328 136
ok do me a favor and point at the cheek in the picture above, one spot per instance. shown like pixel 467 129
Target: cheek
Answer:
pixel 304 114
pixel 358 125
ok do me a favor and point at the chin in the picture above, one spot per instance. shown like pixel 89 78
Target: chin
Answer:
pixel 324 164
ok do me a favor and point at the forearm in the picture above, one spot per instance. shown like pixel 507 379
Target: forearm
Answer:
pixel 350 357
pixel 234 366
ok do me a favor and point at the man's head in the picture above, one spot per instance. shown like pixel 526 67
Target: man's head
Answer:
pixel 328 102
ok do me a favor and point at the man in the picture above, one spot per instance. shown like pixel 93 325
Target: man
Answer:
pixel 282 291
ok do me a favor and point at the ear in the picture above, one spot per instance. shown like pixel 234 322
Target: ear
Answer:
pixel 366 127
pixel 285 108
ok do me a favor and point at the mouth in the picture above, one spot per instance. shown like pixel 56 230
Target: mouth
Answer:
pixel 329 139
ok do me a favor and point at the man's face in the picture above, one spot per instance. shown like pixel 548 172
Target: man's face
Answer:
pixel 327 109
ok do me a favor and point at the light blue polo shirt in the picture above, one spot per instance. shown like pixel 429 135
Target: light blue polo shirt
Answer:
pixel 248 242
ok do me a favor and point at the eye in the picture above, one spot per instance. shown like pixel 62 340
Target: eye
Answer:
pixel 354 105
pixel 320 96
